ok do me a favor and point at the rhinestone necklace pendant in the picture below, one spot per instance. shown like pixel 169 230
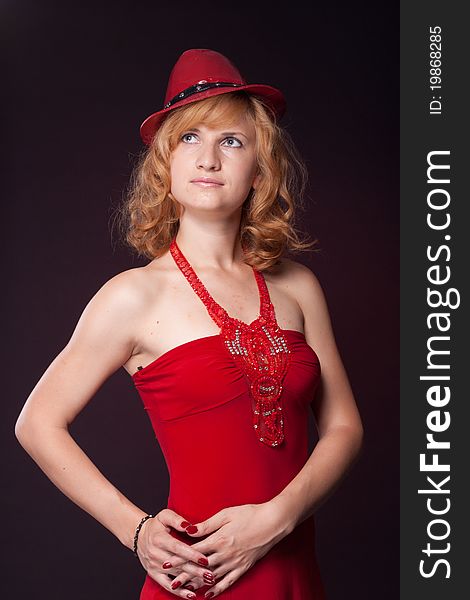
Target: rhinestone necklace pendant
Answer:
pixel 261 352
pixel 259 349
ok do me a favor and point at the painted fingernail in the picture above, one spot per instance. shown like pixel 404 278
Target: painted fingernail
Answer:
pixel 166 565
pixel 175 584
pixel 190 595
pixel 191 529
pixel 203 561
pixel 185 524
pixel 209 595
pixel 190 587
pixel 208 575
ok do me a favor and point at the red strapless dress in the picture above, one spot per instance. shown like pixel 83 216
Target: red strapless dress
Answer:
pixel 207 400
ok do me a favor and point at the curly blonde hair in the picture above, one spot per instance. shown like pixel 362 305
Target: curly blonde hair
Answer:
pixel 149 219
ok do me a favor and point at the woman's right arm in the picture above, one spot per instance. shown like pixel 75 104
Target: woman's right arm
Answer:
pixel 101 343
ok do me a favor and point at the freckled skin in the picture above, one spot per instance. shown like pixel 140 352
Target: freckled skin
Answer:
pixel 230 160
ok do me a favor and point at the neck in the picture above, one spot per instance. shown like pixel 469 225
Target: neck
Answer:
pixel 213 248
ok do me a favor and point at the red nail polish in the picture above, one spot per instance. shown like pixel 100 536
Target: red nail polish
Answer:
pixel 191 529
pixel 190 587
pixel 191 596
pixel 166 565
pixel 208 575
pixel 175 584
pixel 203 561
pixel 185 524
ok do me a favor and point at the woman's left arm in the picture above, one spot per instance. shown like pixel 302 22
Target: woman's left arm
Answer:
pixel 337 417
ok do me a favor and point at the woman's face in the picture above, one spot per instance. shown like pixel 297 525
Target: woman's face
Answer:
pixel 214 169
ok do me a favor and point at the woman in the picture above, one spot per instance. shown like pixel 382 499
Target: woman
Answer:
pixel 229 346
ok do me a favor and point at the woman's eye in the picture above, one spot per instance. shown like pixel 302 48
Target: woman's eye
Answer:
pixel 190 138
pixel 233 142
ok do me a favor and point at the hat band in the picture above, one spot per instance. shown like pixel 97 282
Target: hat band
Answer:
pixel 201 86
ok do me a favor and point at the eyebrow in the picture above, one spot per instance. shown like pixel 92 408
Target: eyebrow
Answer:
pixel 226 133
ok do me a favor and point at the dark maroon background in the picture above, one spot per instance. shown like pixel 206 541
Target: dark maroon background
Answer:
pixel 78 80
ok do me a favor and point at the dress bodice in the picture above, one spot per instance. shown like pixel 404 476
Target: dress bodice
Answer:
pixel 201 398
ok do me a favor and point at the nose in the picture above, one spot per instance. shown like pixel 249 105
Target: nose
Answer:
pixel 208 157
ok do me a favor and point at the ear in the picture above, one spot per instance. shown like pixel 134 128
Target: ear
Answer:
pixel 256 181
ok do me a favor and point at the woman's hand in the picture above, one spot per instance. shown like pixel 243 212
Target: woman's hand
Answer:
pixel 156 547
pixel 241 536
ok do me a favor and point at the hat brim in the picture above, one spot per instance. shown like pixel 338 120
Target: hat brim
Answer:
pixel 273 97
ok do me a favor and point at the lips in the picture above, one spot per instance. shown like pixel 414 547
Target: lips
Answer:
pixel 206 181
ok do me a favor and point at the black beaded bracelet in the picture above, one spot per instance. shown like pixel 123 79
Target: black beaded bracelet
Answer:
pixel 137 531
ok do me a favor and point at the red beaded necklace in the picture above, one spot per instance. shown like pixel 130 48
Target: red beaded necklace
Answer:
pixel 260 350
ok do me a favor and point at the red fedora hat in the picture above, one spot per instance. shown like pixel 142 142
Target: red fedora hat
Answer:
pixel 199 74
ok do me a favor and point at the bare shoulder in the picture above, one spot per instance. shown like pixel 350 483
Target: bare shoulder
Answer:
pixel 125 290
pixel 301 283
pixel 101 342
pixel 298 280
pixel 112 313
pixel 290 269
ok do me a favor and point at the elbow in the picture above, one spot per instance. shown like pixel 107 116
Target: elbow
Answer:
pixel 27 432
pixel 33 430
pixel 20 426
pixel 22 431
pixel 356 428
pixel 354 434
